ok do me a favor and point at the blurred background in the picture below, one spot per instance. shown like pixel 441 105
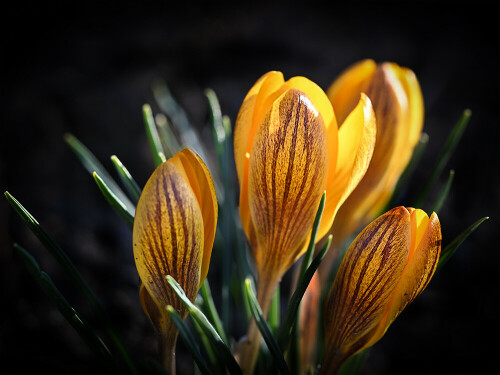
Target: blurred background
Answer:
pixel 88 70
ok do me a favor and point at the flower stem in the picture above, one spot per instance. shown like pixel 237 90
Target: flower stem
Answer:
pixel 166 348
pixel 250 347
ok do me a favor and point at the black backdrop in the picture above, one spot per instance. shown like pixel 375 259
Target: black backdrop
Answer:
pixel 88 70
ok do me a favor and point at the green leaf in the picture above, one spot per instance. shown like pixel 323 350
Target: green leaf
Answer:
pixel 168 139
pixel 302 284
pixel 128 181
pixel 153 137
pixel 85 331
pixel 61 257
pixel 199 318
pixel 268 337
pixel 211 310
pixel 274 312
pixel 114 201
pixel 189 340
pixel 91 164
pixel 445 155
pixel 436 207
pixel 449 250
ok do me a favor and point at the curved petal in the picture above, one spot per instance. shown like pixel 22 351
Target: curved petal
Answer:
pixel 355 149
pixel 286 180
pixel 168 236
pixel 249 118
pixel 368 274
pixel 202 184
pixel 419 269
pixel 323 105
pixel 344 91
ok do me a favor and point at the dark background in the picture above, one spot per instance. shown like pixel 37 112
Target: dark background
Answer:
pixel 88 71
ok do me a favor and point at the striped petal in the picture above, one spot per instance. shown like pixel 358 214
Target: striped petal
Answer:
pixel 200 180
pixel 168 235
pixel 286 180
pixel 385 268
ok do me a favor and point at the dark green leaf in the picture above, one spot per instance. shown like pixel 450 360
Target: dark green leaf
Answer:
pixel 128 181
pixel 268 337
pixel 153 137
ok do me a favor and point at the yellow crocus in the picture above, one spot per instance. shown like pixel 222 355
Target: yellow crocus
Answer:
pixel 288 151
pixel 386 267
pixel 399 110
pixel 173 234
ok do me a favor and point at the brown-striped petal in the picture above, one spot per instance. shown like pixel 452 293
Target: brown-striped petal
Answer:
pixel 363 286
pixel 200 180
pixel 255 105
pixel 286 180
pixel 168 236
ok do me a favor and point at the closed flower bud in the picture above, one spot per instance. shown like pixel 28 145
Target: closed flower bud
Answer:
pixel 173 234
pixel 398 104
pixel 288 151
pixel 386 267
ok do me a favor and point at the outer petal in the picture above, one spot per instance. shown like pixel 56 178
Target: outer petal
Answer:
pixel 168 236
pixel 355 149
pixel 201 183
pixel 254 107
pixel 344 91
pixel 371 194
pixel 419 269
pixel 286 180
pixel 363 286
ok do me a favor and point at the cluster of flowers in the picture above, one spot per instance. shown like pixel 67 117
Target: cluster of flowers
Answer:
pixel 293 142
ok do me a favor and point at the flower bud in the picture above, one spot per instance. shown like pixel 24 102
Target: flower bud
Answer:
pixel 386 267
pixel 398 104
pixel 288 151
pixel 173 234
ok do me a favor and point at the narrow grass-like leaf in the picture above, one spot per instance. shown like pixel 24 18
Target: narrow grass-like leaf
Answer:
pixel 211 310
pixel 302 284
pixel 445 154
pixel 199 318
pixel 61 257
pixel 92 164
pixel 85 331
pixel 187 133
pixel 268 337
pixel 449 250
pixel 128 181
pixel 274 312
pixel 403 180
pixel 114 201
pixel 436 207
pixel 312 241
pixel 167 136
pixel 153 137
pixel 189 340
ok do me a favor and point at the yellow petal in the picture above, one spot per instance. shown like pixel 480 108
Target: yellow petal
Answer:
pixel 364 283
pixel 249 117
pixel 201 183
pixel 419 269
pixel 355 149
pixel 286 180
pixel 344 91
pixel 168 236
pixel 323 106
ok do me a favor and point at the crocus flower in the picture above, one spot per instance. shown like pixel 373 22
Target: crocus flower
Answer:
pixel 174 230
pixel 397 101
pixel 386 267
pixel 288 151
